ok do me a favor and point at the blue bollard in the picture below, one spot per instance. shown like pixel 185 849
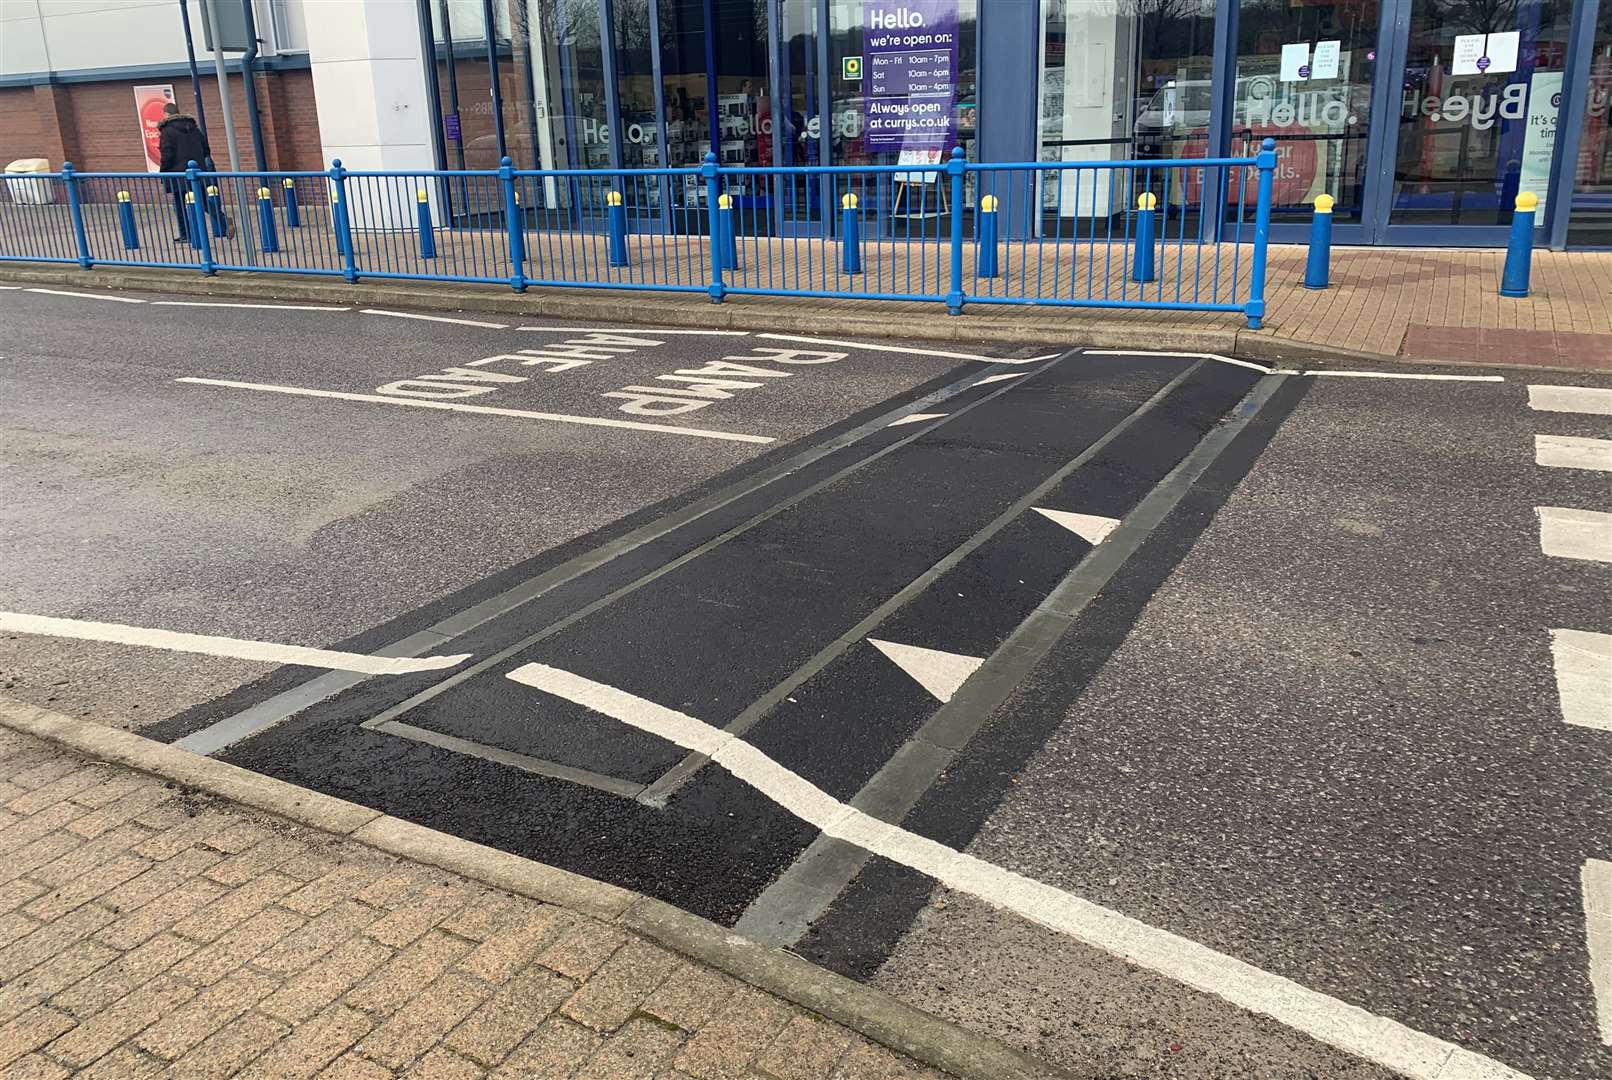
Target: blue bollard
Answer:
pixel 265 221
pixel 293 213
pixel 131 236
pixel 1142 259
pixel 850 237
pixel 215 210
pixel 1318 267
pixel 1520 248
pixel 198 220
pixel 985 257
pixel 422 216
pixel 616 215
pixel 727 241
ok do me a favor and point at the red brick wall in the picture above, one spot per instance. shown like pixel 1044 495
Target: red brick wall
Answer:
pixel 94 125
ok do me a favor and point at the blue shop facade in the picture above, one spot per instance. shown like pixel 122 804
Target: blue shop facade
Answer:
pixel 1424 119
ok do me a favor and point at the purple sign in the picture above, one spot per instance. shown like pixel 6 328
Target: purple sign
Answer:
pixel 1304 71
pixel 450 125
pixel 1483 63
pixel 909 50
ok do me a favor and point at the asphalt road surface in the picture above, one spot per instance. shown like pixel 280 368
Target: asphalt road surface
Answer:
pixel 1153 713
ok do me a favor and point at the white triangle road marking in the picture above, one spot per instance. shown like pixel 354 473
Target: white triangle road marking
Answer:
pixel 1001 378
pixel 941 673
pixel 915 418
pixel 1088 527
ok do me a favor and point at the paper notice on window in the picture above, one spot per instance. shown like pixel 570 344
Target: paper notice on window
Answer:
pixel 1468 51
pixel 1325 64
pixel 1501 50
pixel 1296 62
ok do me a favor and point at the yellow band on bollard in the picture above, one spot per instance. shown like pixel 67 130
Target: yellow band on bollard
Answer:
pixel 848 202
pixel 1527 201
pixel 421 196
pixel 212 189
pixel 1323 204
pixel 612 198
pixel 123 196
pixel 289 182
pixel 1147 201
pixel 263 193
pixel 724 202
pixel 988 204
pixel 190 196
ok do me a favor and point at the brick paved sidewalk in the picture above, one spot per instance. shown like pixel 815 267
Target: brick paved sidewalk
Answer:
pixel 146 930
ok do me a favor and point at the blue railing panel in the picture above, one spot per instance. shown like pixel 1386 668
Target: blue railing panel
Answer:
pixel 1172 235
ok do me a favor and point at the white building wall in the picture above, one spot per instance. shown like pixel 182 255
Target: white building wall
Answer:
pixel 87 35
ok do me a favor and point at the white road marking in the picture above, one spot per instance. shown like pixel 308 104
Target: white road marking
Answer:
pixel 1261 368
pixel 1004 377
pixel 267 307
pixel 941 673
pixel 1348 1027
pixel 89 296
pixel 639 331
pixel 915 418
pixel 10 288
pixel 1088 527
pixel 1575 534
pixel 1597 880
pixel 1584 677
pixel 1404 375
pixel 870 347
pixel 437 318
pixel 1579 399
pixel 1572 452
pixel 488 410
pixel 266 651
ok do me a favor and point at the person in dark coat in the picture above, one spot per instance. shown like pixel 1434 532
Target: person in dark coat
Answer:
pixel 181 141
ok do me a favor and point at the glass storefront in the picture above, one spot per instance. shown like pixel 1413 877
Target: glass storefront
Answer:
pixel 1422 118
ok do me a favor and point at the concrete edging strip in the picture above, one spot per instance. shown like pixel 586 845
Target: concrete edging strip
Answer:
pixel 872 1013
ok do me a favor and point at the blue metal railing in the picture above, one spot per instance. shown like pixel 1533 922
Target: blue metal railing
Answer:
pixel 1185 235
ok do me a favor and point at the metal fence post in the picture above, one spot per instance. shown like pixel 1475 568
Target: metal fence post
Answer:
pixel 516 226
pixel 713 192
pixel 954 167
pixel 344 225
pixel 1265 161
pixel 197 200
pixel 1520 247
pixel 77 213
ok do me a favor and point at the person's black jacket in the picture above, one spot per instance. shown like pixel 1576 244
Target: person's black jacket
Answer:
pixel 181 142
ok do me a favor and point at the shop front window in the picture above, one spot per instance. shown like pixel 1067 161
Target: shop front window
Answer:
pixel 1478 108
pixel 1590 220
pixel 1304 78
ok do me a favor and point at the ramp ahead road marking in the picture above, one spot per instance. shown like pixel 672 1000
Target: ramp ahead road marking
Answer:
pixel 436 318
pixel 89 296
pixel 1089 527
pixel 1584 677
pixel 265 651
pixel 1576 399
pixel 941 673
pixel 486 410
pixel 1348 1027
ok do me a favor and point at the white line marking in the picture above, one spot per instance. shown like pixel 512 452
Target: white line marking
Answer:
pixel 941 673
pixel 437 318
pixel 1572 452
pixel 1597 880
pixel 488 410
pixel 1584 677
pixel 267 307
pixel 1262 369
pixel 1404 375
pixel 1348 1027
pixel 1575 534
pixel 915 418
pixel 1580 399
pixel 10 288
pixel 1089 527
pixel 870 347
pixel 641 331
pixel 266 651
pixel 1005 376
pixel 89 296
